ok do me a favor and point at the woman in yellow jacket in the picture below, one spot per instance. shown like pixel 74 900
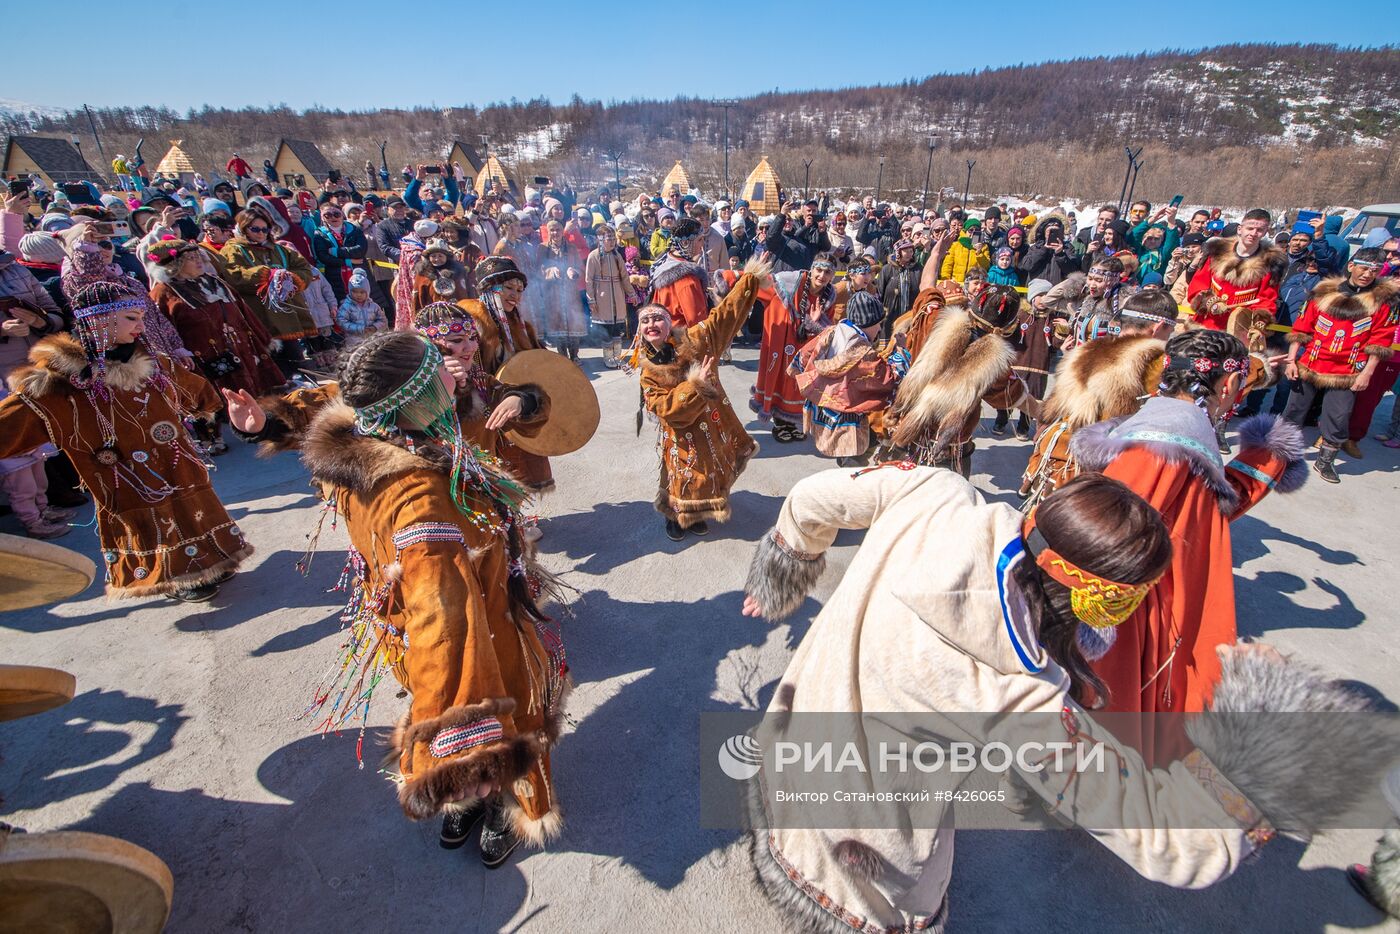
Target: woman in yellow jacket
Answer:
pixel 965 253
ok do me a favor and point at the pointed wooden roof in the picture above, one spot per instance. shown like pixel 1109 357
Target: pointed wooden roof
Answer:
pixel 176 160
pixel 761 189
pixel 676 178
pixel 493 169
pixel 473 158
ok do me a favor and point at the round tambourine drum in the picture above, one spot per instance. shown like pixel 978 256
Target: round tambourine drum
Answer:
pixel 68 882
pixel 33 573
pixel 573 405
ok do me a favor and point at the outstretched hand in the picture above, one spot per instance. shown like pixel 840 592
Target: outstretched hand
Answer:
pixel 505 413
pixel 244 413
pixel 751 607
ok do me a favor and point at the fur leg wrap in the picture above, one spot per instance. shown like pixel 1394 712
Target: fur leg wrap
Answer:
pixel 1385 873
pixel 1274 726
pixel 779 578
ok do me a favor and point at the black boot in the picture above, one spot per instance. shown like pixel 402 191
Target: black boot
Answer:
pixel 999 426
pixel 498 839
pixel 674 531
pixel 1324 466
pixel 458 825
pixel 699 528
pixel 1023 427
pixel 1220 438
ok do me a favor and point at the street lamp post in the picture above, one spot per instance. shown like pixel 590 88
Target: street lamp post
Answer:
pixel 880 180
pixel 968 186
pixel 384 159
pixel 726 104
pixel 1133 186
pixel 928 172
pixel 806 175
pixel 616 156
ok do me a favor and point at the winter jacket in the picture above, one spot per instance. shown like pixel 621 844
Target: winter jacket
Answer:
pixel 1293 295
pixel 1155 260
pixel 789 254
pixel 354 318
pixel 387 234
pixel 413 198
pixel 897 287
pixel 814 237
pixel 334 256
pixel 19 283
pixel 321 300
pixel 605 281
pixel 878 238
pixel 1331 232
pixel 961 259
pixel 998 276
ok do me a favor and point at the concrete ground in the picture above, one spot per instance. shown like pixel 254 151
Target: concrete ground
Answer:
pixel 183 739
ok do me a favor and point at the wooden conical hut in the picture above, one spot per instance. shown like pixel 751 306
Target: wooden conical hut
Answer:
pixel 762 189
pixel 676 178
pixel 493 173
pixel 176 162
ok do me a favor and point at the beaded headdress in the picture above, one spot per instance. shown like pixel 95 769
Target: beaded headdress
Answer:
pixel 425 401
pixel 439 319
pixel 95 307
pixel 1097 601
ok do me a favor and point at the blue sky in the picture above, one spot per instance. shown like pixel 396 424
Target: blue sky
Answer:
pixel 343 54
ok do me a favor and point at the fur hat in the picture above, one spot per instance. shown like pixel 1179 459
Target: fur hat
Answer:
pixel 494 270
pixel 996 307
pixel 437 245
pixel 41 248
pixel 864 310
pixel 168 252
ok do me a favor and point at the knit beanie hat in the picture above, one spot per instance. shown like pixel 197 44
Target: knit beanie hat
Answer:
pixel 358 280
pixel 210 205
pixel 1037 287
pixel 864 310
pixel 425 229
pixel 41 248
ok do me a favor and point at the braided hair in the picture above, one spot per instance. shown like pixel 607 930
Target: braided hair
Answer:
pixel 379 365
pixel 1197 360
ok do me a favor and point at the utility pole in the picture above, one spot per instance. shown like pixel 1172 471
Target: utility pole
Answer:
pixel 93 123
pixel 383 159
pixel 806 175
pixel 928 172
pixel 968 186
pixel 726 103
pixel 880 180
pixel 1132 158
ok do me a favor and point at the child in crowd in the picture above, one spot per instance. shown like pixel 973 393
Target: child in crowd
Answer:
pixel 359 315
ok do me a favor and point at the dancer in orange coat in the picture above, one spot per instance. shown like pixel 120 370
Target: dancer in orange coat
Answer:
pixel 798 312
pixel 1164 658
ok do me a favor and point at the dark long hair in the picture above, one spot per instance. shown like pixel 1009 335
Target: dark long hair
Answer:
pixel 1106 529
pixel 1183 380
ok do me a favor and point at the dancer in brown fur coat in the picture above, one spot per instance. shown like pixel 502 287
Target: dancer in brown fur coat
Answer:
pixel 704 446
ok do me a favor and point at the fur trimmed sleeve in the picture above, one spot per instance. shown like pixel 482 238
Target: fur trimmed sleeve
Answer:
pixel 780 577
pixel 1274 726
pixel 1271 458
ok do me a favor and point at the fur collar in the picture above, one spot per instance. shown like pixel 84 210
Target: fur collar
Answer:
pixel 1102 379
pixel 672 269
pixel 1243 271
pixel 337 456
pixel 56 360
pixel 1172 429
pixel 948 379
pixel 1332 301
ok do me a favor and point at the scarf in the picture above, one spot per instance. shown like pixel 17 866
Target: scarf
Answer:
pixel 410 248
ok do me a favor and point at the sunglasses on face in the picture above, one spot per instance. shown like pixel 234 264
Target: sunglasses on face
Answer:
pixel 105 244
pixel 257 230
pixel 331 215
pixel 1392 252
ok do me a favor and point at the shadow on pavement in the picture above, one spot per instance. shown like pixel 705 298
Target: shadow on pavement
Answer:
pixel 85 746
pixel 1263 605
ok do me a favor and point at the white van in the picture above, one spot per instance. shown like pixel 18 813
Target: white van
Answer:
pixel 1371 217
